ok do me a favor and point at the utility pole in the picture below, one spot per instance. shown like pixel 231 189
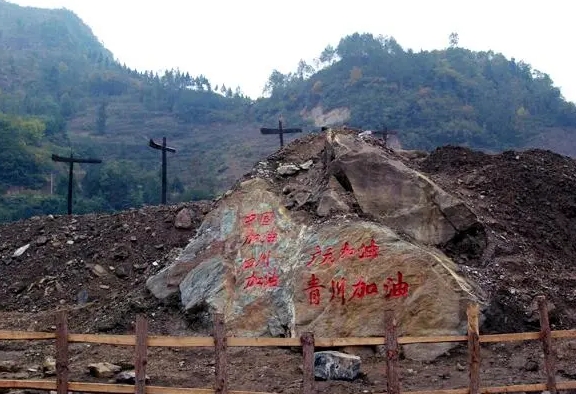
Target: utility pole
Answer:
pixel 164 149
pixel 71 160
pixel 280 131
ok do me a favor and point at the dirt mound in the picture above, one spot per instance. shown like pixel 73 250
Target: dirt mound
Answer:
pixel 527 204
pixel 94 265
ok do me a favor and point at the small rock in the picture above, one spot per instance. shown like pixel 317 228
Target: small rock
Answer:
pixel 103 370
pixel 531 366
pixel 331 365
pixel 183 219
pixel 128 377
pixel 49 366
pixel 306 165
pixel 42 240
pixel 288 169
pixel 20 251
pixel 159 246
pixel 9 366
pixel 120 272
pixel 82 297
pixel 70 242
pixel 120 252
pixel 104 287
pixel 98 270
pixel 133 239
pixel 411 372
pixel 17 287
pixel 460 367
pixel 302 198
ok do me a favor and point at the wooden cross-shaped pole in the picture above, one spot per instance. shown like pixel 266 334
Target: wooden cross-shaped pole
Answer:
pixel 72 160
pixel 280 131
pixel 164 149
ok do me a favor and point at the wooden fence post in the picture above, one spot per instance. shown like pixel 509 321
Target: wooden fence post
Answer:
pixel 392 367
pixel 141 354
pixel 61 353
pixel 546 337
pixel 220 345
pixel 473 349
pixel 307 341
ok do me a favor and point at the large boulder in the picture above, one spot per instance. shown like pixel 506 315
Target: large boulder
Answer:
pixel 277 270
pixel 387 188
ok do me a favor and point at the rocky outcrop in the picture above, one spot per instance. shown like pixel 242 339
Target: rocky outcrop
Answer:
pixel 402 197
pixel 276 269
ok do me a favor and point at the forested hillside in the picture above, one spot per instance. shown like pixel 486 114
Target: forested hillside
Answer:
pixel 63 92
pixel 451 96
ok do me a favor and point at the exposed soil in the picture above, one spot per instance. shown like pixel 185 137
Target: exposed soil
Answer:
pixel 527 205
pixel 95 266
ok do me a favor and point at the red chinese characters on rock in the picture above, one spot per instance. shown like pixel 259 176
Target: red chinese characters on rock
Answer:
pixel 369 251
pixel 313 290
pixel 267 218
pixel 346 250
pixel 250 218
pixel 269 279
pixel 263 218
pixel 252 237
pixel 326 256
pixel 259 231
pixel 263 260
pixel 338 290
pixel 361 289
pixel 398 288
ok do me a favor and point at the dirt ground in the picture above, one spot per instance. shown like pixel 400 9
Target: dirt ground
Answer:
pixel 95 266
pixel 279 370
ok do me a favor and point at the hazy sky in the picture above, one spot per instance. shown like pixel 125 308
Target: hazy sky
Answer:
pixel 240 42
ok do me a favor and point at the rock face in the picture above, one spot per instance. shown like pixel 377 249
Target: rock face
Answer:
pixel 278 272
pixel 402 197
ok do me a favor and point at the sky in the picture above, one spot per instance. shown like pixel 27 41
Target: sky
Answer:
pixel 240 42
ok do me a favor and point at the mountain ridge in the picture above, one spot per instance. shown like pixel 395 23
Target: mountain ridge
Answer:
pixel 90 104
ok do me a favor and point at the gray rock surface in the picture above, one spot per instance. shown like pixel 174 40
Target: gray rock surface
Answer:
pixel 332 365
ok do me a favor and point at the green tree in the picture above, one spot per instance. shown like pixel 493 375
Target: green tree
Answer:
pixel 453 40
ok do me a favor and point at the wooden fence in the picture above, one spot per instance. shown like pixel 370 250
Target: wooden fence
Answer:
pixel 141 340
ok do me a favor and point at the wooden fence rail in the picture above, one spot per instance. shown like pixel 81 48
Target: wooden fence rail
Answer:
pixel 220 342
